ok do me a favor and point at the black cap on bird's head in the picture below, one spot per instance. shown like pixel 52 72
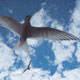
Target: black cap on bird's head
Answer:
pixel 28 17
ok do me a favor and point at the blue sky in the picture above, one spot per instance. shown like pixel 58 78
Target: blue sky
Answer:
pixel 50 59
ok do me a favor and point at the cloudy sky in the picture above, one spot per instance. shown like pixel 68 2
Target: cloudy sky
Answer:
pixel 51 60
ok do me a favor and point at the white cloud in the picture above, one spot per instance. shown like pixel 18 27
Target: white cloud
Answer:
pixel 3 74
pixel 75 20
pixel 73 74
pixel 62 53
pixel 43 4
pixel 11 38
pixel 33 74
pixel 33 42
pixel 6 58
pixel 60 68
pixel 40 19
pixel 9 10
pixel 68 75
pixel 38 74
pixel 56 25
pixel 75 26
pixel 78 52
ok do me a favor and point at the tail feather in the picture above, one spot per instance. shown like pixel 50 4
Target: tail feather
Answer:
pixel 23 46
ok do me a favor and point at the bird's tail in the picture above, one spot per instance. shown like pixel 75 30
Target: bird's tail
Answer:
pixel 23 46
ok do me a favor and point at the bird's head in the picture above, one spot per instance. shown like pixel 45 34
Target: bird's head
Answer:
pixel 27 18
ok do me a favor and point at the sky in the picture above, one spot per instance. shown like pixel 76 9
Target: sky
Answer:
pixel 51 60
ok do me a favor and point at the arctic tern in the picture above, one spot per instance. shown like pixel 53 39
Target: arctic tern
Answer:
pixel 26 30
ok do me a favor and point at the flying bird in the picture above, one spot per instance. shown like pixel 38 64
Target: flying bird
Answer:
pixel 26 30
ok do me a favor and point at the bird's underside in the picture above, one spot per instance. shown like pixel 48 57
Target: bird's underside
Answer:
pixel 25 31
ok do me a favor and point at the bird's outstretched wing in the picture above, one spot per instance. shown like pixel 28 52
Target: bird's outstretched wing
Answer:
pixel 51 34
pixel 11 24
